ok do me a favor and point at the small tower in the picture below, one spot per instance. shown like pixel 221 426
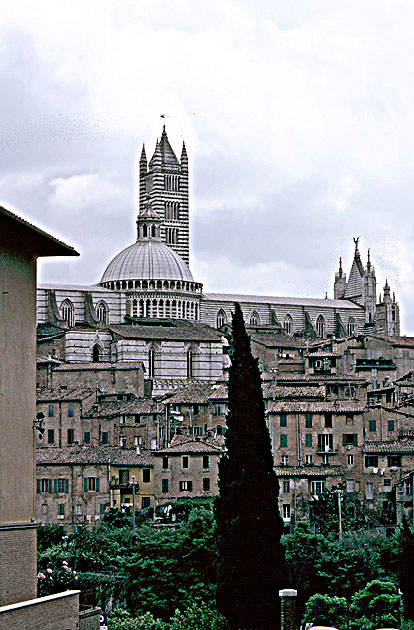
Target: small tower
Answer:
pixel 370 291
pixel 340 282
pixel 165 181
pixel 148 224
pixel 388 314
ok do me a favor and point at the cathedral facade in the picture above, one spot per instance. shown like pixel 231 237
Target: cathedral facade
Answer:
pixel 148 307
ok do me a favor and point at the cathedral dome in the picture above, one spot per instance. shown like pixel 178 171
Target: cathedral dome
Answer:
pixel 147 260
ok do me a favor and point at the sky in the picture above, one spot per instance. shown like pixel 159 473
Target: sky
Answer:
pixel 298 117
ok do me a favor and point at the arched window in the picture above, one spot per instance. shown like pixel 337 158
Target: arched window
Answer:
pixel 254 319
pixel 151 362
pixel 320 327
pixel 288 325
pixel 189 363
pixel 96 353
pixel 102 312
pixel 68 312
pixel 351 327
pixel 221 318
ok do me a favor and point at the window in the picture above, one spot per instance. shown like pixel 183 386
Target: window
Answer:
pixel 349 439
pixel 145 503
pixel 351 327
pixel 320 327
pixel 394 461
pixel 387 485
pixel 68 312
pixel 87 437
pixel 308 440
pixel 46 485
pixel 70 410
pixel 146 475
pixel 286 511
pixel 185 461
pixel 325 459
pixel 391 425
pixel 102 312
pixel 121 419
pixel 71 436
pixel 104 438
pixel 219 409
pixel 102 508
pixel 328 421
pixel 206 484
pixel 350 485
pixel 254 319
pixel 317 487
pixel 165 462
pixel 369 491
pixel 123 477
pixel 91 484
pixel 283 440
pixel 61 509
pixel 206 461
pixel 284 460
pixel 61 485
pixel 309 459
pixel 372 424
pixel 350 459
pixel 50 436
pixel 186 486
pixel 164 485
pixel 151 362
pixel 190 364
pixel 51 411
pixel 371 461
pixel 96 353
pixel 79 510
pixel 122 441
pixel 308 420
pixel 196 430
pixel 221 319
pixel 286 485
pixel 288 325
pixel 325 442
pixel 283 420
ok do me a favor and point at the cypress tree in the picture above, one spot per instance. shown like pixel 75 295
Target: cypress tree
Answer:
pixel 406 568
pixel 249 527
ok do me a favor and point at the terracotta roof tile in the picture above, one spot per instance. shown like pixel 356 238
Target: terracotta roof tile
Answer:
pixel 389 447
pixel 198 393
pixel 329 406
pixel 177 329
pixel 191 446
pixel 308 471
pixel 76 393
pixel 93 455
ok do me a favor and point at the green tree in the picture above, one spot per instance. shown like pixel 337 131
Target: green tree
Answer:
pixel 376 605
pixel 198 617
pixel 326 610
pixel 121 619
pixel 406 566
pixel 249 527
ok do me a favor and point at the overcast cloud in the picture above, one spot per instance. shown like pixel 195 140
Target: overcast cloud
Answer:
pixel 298 119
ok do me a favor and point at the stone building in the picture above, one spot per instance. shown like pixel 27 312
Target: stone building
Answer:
pixel 20 245
pixel 187 468
pixel 76 485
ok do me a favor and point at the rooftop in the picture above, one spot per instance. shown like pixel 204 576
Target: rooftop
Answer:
pixel 389 447
pixel 63 393
pixel 92 455
pixel 178 329
pixel 189 447
pixel 267 299
pixel 199 393
pixel 329 406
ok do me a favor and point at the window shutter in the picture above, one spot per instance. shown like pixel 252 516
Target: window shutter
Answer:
pixel 355 439
pixel 55 485
pixel 97 484
pixel 38 483
pixel 49 483
pixel 66 485
pixel 343 439
pixel 85 484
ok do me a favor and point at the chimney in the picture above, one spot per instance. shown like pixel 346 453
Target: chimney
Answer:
pixel 288 608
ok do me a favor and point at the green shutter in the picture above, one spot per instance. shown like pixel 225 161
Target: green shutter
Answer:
pixel 66 485
pixel 39 486
pixel 355 439
pixel 49 483
pixel 343 439
pixel 85 484
pixel 55 485
pixel 97 484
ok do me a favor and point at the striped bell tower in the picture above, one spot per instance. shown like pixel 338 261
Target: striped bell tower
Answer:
pixel 163 182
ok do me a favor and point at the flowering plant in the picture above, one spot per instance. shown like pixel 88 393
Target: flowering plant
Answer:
pixel 60 578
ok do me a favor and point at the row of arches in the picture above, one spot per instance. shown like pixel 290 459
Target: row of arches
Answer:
pixel 152 285
pixel 67 310
pixel 160 308
pixel 171 210
pixel 288 325
pixel 172 182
